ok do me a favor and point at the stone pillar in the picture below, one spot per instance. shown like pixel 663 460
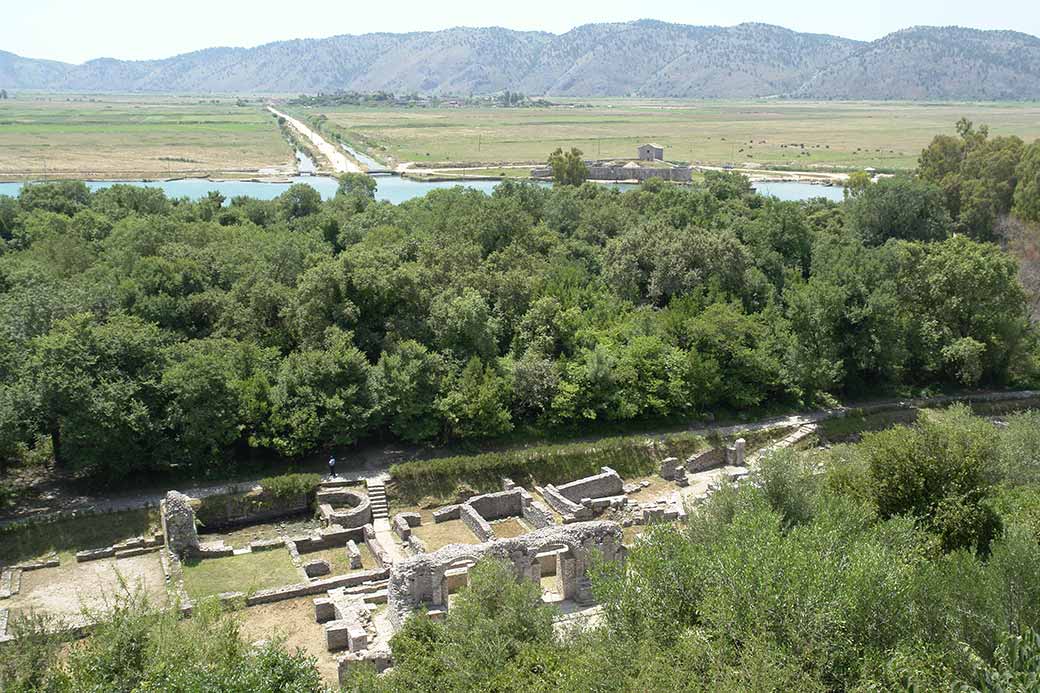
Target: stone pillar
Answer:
pixel 178 522
pixel 739 448
pixel 567 573
pixel 669 467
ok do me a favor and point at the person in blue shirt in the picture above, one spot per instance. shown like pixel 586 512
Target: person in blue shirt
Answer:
pixel 332 467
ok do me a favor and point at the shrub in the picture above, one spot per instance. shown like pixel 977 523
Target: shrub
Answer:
pixel 631 456
pixel 275 492
pixel 289 486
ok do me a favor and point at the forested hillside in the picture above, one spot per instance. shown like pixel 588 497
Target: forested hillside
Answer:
pixel 642 58
pixel 142 333
pixel 935 63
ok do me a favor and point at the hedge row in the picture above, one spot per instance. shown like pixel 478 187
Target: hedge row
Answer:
pixel 274 492
pixel 441 478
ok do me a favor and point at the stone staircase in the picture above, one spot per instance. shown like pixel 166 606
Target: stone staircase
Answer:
pixel 377 497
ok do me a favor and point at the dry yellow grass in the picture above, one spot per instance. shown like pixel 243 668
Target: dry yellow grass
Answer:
pixel 137 137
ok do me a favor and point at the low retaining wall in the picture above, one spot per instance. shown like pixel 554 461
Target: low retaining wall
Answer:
pixel 710 459
pixel 569 510
pixel 305 589
pixel 383 558
pixel 403 524
pixel 606 483
pixel 477 524
pixel 448 512
pixel 254 506
pixel 328 538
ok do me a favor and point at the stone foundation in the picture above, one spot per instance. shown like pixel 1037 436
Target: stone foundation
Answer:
pixel 606 483
pixel 477 524
pixel 344 507
pixel 421 581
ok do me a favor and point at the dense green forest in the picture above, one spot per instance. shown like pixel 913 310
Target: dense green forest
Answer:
pixel 141 333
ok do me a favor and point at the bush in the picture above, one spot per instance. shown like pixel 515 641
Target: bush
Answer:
pixel 289 486
pixel 965 523
pixel 139 648
pixel 276 492
pixel 631 456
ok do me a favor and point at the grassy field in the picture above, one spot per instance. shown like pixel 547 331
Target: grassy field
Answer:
pixel 769 133
pixel 245 573
pixel 131 137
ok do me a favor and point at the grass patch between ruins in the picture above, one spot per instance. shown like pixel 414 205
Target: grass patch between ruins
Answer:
pixel 30 540
pixel 246 573
pixel 441 534
pixel 340 561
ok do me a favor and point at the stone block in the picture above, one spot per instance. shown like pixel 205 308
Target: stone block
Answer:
pixel 324 610
pixel 133 543
pixel 37 565
pixel 448 512
pixel 215 549
pixel 357 638
pixel 317 568
pixel 337 635
pixel 128 553
pixel 404 522
pixel 95 554
pixel 266 544
pixel 669 467
pixel 354 555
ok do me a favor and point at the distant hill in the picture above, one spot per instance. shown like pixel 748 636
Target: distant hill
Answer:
pixel 643 58
pixel 935 63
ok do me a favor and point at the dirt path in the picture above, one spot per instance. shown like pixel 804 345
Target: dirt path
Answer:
pixel 340 162
pixel 374 461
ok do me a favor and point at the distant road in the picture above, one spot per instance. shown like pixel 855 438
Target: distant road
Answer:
pixel 340 162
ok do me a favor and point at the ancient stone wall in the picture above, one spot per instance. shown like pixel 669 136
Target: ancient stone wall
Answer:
pixel 495 506
pixel 606 483
pixel 254 506
pixel 421 581
pixel 178 524
pixel 477 524
pixel 536 514
pixel 569 509
pixel 344 507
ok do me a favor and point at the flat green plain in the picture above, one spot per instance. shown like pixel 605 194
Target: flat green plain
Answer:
pixel 136 136
pixel 838 135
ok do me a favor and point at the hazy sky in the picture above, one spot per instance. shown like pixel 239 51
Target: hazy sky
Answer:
pixel 78 30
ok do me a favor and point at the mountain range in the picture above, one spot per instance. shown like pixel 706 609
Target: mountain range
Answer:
pixel 642 58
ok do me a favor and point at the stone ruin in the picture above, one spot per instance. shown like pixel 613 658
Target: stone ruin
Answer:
pixel 425 580
pixel 582 499
pixel 339 505
pixel 479 512
pixel 178 524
